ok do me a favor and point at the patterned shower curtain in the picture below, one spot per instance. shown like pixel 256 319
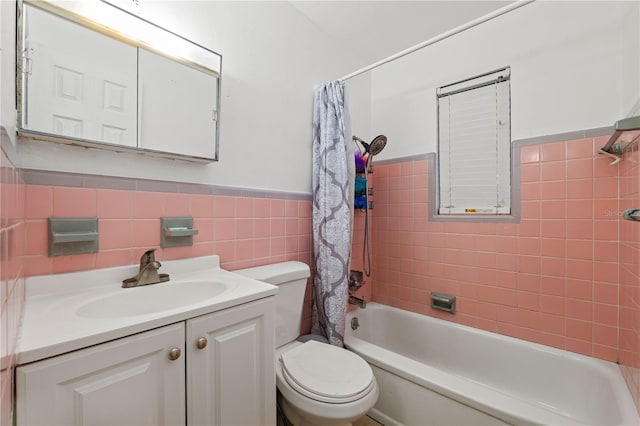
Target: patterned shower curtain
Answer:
pixel 333 177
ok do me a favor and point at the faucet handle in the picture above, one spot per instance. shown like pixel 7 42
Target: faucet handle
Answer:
pixel 355 281
pixel 148 273
pixel 148 257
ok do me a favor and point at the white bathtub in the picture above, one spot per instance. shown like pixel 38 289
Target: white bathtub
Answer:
pixel 434 372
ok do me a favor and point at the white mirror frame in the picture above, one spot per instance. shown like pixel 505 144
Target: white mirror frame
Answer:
pixel 114 22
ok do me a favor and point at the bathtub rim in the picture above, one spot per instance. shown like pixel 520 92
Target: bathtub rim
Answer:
pixel 466 390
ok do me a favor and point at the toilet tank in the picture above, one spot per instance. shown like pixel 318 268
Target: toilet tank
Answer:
pixel 291 279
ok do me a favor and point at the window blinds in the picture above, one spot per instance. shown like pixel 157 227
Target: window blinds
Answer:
pixel 474 145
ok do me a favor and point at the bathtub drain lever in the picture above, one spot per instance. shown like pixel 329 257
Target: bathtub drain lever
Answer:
pixel 355 323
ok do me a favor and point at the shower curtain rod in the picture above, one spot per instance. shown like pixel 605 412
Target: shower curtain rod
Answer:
pixel 441 37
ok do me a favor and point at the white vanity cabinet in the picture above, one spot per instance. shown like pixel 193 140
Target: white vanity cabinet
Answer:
pixel 165 376
pixel 129 381
pixel 231 380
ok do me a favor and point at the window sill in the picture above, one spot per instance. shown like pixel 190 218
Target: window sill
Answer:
pixel 473 218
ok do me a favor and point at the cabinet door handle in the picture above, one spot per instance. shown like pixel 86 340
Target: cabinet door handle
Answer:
pixel 174 354
pixel 202 343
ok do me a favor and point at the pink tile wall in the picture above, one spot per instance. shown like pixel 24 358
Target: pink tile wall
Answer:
pixel 630 275
pixel 551 279
pixel 357 259
pixel 244 231
pixel 11 278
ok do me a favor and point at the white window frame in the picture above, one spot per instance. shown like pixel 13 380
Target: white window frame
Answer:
pixel 487 190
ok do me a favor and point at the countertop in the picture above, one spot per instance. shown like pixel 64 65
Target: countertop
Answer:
pixel 52 326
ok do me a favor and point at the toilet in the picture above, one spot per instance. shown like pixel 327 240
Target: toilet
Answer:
pixel 320 384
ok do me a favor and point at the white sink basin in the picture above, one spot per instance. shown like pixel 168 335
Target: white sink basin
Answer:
pixel 151 299
pixel 75 310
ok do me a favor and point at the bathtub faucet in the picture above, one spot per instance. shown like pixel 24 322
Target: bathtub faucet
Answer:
pixel 358 301
pixel 355 281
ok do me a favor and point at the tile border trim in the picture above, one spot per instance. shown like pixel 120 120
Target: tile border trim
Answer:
pixel 517 143
pixel 82 180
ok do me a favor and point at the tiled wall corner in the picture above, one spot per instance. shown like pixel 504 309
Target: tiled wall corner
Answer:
pixel 550 279
pixel 630 274
pixel 12 245
pixel 361 260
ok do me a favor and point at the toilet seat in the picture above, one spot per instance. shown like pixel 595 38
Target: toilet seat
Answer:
pixel 327 373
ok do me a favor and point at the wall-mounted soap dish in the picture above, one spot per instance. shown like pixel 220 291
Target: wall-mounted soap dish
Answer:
pixel 177 231
pixel 443 302
pixel 72 235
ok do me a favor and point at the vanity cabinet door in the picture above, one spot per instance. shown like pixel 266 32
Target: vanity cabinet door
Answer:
pixel 231 366
pixel 130 381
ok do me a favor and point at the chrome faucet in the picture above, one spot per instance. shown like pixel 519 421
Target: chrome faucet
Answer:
pixel 148 273
pixel 355 282
pixel 358 301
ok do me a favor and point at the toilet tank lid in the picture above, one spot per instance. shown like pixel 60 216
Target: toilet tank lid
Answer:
pixel 277 273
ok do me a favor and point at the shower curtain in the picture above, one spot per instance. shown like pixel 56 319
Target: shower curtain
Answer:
pixel 333 176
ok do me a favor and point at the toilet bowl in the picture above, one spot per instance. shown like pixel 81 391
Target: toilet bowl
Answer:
pixel 320 384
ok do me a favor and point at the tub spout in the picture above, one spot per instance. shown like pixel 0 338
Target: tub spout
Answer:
pixel 359 301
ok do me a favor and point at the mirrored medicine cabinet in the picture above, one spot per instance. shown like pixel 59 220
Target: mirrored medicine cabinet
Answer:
pixel 92 74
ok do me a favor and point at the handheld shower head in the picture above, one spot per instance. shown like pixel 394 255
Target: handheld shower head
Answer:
pixel 375 146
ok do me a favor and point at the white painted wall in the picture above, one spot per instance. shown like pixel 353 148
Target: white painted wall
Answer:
pixel 570 71
pixel 272 58
pixel 631 68
pixel 7 68
pixel 574 66
pixel 359 104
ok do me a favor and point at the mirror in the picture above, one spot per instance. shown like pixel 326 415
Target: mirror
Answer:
pixel 91 74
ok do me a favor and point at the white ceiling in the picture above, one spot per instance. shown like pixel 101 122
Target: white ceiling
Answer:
pixel 374 30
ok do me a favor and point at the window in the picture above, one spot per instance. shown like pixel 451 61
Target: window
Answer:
pixel 474 145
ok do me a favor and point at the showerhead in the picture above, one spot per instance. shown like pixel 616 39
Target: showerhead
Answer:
pixel 375 147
